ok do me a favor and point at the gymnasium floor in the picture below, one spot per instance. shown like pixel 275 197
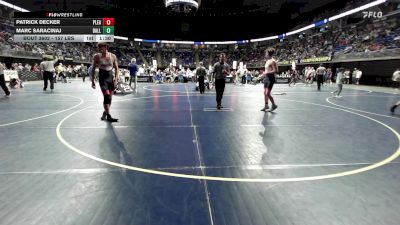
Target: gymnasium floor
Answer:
pixel 173 159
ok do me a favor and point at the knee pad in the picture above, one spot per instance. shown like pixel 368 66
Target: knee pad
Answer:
pixel 107 99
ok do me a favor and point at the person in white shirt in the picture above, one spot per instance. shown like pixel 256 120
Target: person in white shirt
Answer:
pixel 339 82
pixel 312 74
pixel 347 76
pixel 47 70
pixel 69 71
pixel 60 70
pixel 321 71
pixel 357 74
pixel 395 78
pixel 127 75
pixel 20 67
pixel 27 67
pixel 76 70
pixel 189 74
pixel 237 75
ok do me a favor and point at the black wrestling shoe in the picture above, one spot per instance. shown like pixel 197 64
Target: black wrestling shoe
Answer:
pixel 266 108
pixel 104 116
pixel 110 119
pixel 273 107
pixel 393 108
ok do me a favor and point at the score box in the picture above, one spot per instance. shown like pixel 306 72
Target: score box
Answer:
pixel 108 21
pixel 108 30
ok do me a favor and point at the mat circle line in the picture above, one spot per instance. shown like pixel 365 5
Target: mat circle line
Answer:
pixel 349 108
pixel 243 91
pixel 47 115
pixel 233 179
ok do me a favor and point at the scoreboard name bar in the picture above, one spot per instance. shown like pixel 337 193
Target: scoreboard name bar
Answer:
pixel 63 38
pixel 59 15
pixel 65 30
pixel 64 22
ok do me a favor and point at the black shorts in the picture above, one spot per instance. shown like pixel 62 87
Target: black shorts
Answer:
pixel 106 81
pixel 269 81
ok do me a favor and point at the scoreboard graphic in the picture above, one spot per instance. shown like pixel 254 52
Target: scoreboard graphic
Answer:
pixel 62 27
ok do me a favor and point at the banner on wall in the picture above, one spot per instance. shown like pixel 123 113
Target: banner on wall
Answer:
pixel 10 74
pixel 316 59
pixel 47 56
pixel 308 60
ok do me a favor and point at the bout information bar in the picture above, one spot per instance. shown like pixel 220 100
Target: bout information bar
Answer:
pixel 63 38
pixel 62 27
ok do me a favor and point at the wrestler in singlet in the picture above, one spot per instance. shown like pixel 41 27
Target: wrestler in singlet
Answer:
pixel 106 62
pixel 106 77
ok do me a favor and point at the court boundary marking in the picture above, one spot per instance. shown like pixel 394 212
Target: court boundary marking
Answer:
pixel 349 108
pixel 244 167
pixel 47 115
pixel 385 161
pixel 147 88
pixel 200 155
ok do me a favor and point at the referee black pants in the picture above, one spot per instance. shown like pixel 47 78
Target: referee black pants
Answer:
pixel 320 80
pixel 3 84
pixel 201 84
pixel 46 77
pixel 219 88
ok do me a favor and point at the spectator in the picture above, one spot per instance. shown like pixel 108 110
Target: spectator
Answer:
pixel 3 82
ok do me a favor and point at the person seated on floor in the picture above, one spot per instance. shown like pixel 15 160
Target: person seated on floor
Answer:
pixel 15 83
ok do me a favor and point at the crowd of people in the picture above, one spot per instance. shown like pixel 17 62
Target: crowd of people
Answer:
pixel 380 36
pixel 376 36
pixel 52 72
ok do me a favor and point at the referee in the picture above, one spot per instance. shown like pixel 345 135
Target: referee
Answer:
pixel 47 70
pixel 321 71
pixel 221 70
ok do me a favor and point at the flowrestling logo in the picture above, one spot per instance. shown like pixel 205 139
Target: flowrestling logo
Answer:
pixel 372 14
pixel 63 15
